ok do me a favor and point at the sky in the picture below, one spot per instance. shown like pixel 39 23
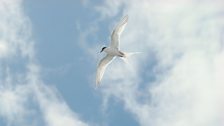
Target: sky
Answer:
pixel 49 50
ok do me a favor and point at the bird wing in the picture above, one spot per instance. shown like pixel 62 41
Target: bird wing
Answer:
pixel 101 68
pixel 115 37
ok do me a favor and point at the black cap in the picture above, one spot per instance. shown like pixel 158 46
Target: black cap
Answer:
pixel 103 49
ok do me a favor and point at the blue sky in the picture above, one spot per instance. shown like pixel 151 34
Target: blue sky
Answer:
pixel 49 51
pixel 55 29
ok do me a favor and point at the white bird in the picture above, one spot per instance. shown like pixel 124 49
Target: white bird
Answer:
pixel 112 51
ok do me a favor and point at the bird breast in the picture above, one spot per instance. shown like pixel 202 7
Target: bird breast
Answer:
pixel 112 51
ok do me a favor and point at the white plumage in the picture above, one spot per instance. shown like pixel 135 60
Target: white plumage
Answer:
pixel 112 50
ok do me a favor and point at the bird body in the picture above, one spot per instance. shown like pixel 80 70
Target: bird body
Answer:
pixel 112 51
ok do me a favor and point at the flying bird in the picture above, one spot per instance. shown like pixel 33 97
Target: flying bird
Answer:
pixel 112 50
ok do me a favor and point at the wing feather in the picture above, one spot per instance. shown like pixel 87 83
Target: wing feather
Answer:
pixel 101 68
pixel 115 37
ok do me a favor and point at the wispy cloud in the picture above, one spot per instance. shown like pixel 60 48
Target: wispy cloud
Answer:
pixel 183 42
pixel 24 98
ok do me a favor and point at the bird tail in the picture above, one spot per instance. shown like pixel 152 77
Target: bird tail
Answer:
pixel 128 55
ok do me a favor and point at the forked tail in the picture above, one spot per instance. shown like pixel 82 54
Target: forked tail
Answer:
pixel 128 55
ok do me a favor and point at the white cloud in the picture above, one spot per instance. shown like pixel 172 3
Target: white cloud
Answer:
pixel 23 94
pixel 55 110
pixel 3 48
pixel 185 40
pixel 12 104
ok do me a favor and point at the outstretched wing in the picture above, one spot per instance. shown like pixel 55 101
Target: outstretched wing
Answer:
pixel 115 37
pixel 101 68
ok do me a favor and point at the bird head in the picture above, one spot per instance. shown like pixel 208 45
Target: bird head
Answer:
pixel 103 49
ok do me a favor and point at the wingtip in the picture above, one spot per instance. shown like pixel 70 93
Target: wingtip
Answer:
pixel 97 84
pixel 126 17
pixel 96 87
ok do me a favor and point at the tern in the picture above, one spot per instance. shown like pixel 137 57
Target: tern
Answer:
pixel 112 51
